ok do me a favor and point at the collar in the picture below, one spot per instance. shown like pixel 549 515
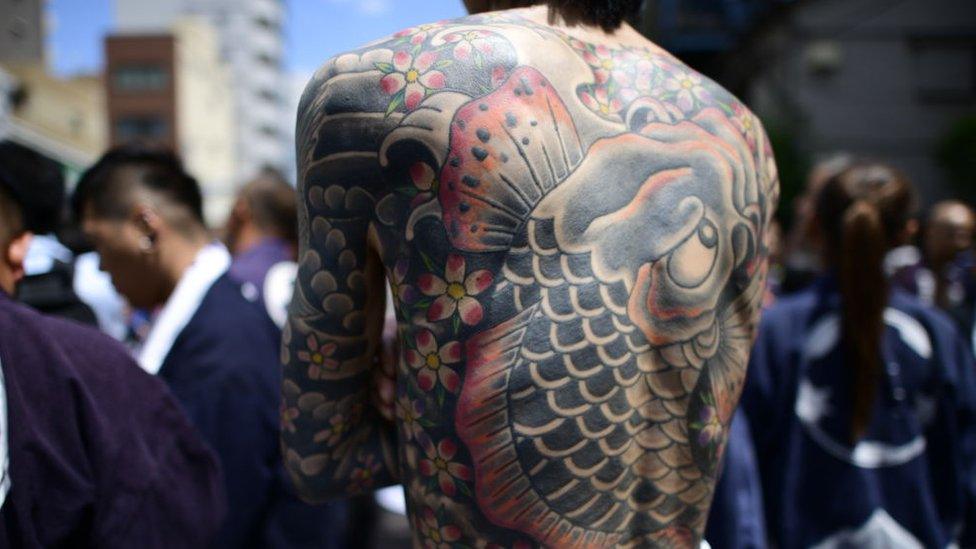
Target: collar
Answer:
pixel 900 258
pixel 43 251
pixel 4 430
pixel 210 264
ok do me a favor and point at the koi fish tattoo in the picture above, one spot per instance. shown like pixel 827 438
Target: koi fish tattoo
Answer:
pixel 573 236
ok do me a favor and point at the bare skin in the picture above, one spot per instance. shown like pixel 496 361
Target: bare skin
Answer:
pixel 573 227
pixel 950 231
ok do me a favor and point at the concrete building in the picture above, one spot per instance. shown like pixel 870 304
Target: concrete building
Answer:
pixel 61 118
pixel 173 89
pixel 21 31
pixel 140 83
pixel 251 43
pixel 876 78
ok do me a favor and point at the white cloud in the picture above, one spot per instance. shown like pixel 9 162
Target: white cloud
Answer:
pixel 369 8
pixel 375 7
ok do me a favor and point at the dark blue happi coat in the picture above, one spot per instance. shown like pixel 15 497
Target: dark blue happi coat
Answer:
pixel 224 368
pixel 736 518
pixel 101 455
pixel 911 480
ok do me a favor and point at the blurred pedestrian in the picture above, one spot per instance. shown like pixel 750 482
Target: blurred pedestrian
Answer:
pixel 215 348
pixel 938 274
pixel 94 452
pixel 38 184
pixel 862 402
pixel 262 235
pixel 801 261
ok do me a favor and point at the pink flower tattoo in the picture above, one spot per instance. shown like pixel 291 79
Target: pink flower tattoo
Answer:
pixel 439 464
pixel 318 356
pixel 431 361
pixel 410 78
pixel 455 292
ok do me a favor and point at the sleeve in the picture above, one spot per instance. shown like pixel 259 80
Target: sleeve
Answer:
pixel 766 401
pixel 950 434
pixel 736 520
pixel 760 396
pixel 235 415
pixel 244 435
pixel 962 408
pixel 237 411
pixel 161 487
pixel 262 501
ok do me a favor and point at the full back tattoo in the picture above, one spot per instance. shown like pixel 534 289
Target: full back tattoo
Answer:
pixel 574 239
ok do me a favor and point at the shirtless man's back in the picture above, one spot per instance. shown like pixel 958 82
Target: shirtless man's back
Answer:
pixel 572 225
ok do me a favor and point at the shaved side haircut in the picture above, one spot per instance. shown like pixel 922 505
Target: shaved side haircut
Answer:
pixel 159 173
pixel 11 218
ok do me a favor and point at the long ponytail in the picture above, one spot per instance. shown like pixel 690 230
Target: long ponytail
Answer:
pixel 862 213
pixel 864 293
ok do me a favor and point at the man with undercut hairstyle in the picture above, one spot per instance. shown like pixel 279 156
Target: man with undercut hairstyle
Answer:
pixel 94 452
pixel 215 348
pixel 572 224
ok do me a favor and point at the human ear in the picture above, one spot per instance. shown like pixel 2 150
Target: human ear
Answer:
pixel 148 223
pixel 16 253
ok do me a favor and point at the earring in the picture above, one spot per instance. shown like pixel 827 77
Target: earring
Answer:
pixel 146 244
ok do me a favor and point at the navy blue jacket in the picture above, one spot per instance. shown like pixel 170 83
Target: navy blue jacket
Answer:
pixel 224 369
pixel 101 455
pixel 736 518
pixel 910 479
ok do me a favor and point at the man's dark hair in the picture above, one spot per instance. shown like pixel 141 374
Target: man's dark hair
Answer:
pixel 606 14
pixel 160 172
pixel 272 203
pixel 36 183
pixel 11 217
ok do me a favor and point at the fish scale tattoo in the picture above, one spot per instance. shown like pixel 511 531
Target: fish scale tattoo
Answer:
pixel 575 253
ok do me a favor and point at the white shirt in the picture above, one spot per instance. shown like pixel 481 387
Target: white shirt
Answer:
pixel 4 455
pixel 210 264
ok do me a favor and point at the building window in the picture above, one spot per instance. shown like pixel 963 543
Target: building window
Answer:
pixel 268 131
pixel 265 24
pixel 76 124
pixel 140 127
pixel 945 69
pixel 139 78
pixel 267 59
pixel 18 29
pixel 268 95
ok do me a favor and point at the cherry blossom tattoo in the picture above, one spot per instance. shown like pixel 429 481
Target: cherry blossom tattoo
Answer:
pixel 573 236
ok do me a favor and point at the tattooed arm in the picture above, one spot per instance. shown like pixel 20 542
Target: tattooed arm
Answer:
pixel 335 441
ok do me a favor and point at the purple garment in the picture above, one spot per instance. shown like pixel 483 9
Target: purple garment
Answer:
pixel 252 265
pixel 100 454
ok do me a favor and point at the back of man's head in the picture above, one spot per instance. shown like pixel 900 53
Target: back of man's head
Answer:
pixel 128 174
pixel 606 14
pixel 271 202
pixel 36 182
pixel 949 230
pixel 14 239
pixel 11 217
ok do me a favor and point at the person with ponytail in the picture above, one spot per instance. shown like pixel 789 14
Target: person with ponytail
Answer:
pixel 862 400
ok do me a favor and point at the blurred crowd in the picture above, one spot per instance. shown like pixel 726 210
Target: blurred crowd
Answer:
pixel 195 457
pixel 859 408
pixel 857 424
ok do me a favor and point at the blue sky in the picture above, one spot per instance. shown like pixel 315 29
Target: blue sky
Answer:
pixel 314 29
